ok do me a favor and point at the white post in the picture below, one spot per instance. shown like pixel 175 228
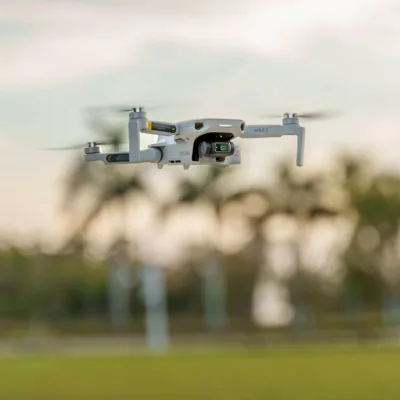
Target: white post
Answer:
pixel 154 295
pixel 120 283
pixel 214 294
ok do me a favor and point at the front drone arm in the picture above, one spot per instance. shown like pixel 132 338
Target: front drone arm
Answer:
pixel 270 131
pixel 138 123
pixel 134 128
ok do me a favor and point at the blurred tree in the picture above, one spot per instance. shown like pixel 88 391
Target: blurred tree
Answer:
pixel 300 199
pixel 305 199
pixel 249 209
pixel 106 187
pixel 206 193
pixel 371 260
pixel 16 295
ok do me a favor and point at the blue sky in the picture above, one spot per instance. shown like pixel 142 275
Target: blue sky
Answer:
pixel 209 58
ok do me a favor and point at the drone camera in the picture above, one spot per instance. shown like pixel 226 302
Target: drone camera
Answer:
pixel 216 149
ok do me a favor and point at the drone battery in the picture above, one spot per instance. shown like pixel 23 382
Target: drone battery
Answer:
pixel 161 127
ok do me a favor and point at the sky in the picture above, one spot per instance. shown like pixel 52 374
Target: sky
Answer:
pixel 215 58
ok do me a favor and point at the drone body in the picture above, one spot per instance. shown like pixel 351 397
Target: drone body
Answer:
pixel 194 142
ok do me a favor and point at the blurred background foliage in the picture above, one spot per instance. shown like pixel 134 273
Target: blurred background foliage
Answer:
pixel 353 289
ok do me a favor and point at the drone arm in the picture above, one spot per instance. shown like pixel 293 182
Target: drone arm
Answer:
pixel 301 139
pixel 152 155
pixel 267 131
pixel 134 129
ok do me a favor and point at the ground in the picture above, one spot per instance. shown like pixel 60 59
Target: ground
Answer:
pixel 356 373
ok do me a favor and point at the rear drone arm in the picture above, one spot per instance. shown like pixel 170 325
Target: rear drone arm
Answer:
pixel 147 155
pixel 137 124
pixel 270 131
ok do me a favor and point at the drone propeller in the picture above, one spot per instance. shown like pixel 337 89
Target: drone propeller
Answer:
pixel 83 145
pixel 123 109
pixel 308 115
pixel 113 135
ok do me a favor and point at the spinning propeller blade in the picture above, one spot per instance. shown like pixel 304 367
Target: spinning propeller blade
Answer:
pixel 74 147
pixel 82 146
pixel 319 115
pixel 308 115
pixel 123 109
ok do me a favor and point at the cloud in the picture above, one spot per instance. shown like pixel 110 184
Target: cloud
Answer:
pixel 226 84
pixel 217 57
pixel 72 39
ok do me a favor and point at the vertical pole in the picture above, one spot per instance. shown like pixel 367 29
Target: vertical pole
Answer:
pixel 115 295
pixel 154 295
pixel 38 318
pixel 120 284
pixel 214 294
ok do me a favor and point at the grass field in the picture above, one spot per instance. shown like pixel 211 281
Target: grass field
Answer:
pixel 367 373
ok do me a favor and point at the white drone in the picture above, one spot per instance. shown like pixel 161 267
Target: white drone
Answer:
pixel 205 141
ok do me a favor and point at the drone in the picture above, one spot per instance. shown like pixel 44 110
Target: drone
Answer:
pixel 204 141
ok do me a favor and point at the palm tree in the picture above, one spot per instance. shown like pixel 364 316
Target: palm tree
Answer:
pixel 248 264
pixel 302 201
pixel 106 187
pixel 206 192
pixel 370 260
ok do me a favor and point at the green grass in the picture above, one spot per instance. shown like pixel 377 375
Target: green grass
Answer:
pixel 322 374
